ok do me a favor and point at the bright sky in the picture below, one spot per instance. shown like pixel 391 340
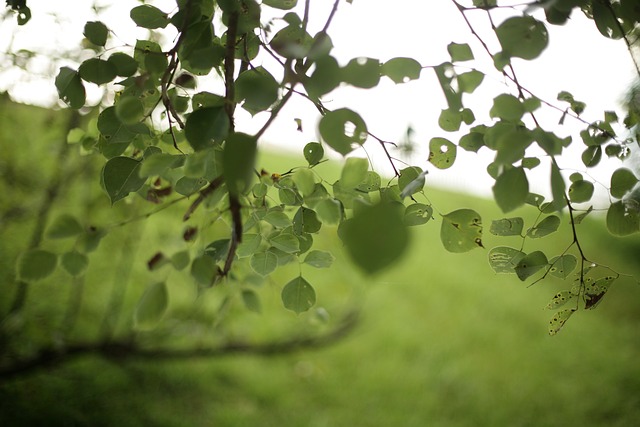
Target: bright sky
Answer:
pixel 579 60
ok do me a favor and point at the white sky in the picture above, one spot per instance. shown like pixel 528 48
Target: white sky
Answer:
pixel 579 60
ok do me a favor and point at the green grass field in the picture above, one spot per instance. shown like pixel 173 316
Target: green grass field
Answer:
pixel 442 340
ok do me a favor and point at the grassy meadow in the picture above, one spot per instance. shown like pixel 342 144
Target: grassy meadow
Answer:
pixel 441 341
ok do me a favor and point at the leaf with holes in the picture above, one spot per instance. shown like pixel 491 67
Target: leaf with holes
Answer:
pixel 622 220
pixel 507 226
pixel 559 319
pixel 417 214
pixel 120 176
pixel 313 153
pixel 298 295
pixel 530 264
pixel 442 153
pixel 560 299
pixel 461 231
pixel 343 130
pixel 362 72
pixel 593 293
pixel 503 259
pixel 401 70
pixel 562 266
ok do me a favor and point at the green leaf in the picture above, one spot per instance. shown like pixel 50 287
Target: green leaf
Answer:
pixel 417 214
pixel 557 188
pixel 559 319
pixel 371 182
pixel 530 264
pixel 329 211
pixel 292 42
pixel 606 20
pixel 281 4
pixel 313 153
pixel 147 16
pixel 96 32
pixel 560 299
pixel 64 226
pixel 250 245
pixel 257 88
pixel 98 71
pixel 411 181
pixel 298 295
pixel 251 301
pixel 522 37
pixel 622 220
pixel 592 156
pixel 507 107
pixel 120 177
pixel 343 130
pixel 264 263
pixel 286 242
pixel 460 52
pixel 547 226
pixel 450 120
pixel 129 110
pixel 468 82
pixel 36 264
pixel 112 129
pixel 354 172
pixel 206 127
pixel 74 263
pixel 511 189
pixel 562 266
pixel 278 219
pixel 70 88
pixel 157 164
pixel 622 181
pixel 442 153
pixel 503 259
pixel 305 181
pixel 125 65
pixel 204 270
pixel 306 221
pixel 507 226
pixel 581 191
pixel 362 72
pixel 319 259
pixel 376 237
pixel 180 260
pixel 473 141
pixel 152 306
pixel 594 292
pixel 461 230
pixel 401 70
pixel 239 156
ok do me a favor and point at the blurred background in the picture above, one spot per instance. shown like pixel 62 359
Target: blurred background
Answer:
pixel 440 340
